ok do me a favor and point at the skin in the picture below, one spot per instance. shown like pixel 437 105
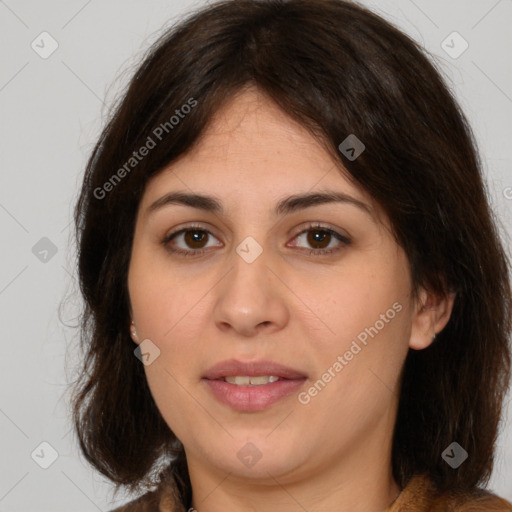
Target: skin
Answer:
pixel 298 309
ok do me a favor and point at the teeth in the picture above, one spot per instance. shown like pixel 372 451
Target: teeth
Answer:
pixel 240 380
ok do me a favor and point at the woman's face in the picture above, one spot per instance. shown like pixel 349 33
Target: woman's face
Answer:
pixel 268 283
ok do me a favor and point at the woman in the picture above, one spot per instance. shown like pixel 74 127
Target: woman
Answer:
pixel 296 297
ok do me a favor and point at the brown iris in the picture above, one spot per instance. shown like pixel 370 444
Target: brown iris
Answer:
pixel 318 236
pixel 194 237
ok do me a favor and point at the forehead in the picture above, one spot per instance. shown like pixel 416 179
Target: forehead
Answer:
pixel 252 153
pixel 252 130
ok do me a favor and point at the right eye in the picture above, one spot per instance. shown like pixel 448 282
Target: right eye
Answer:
pixel 192 239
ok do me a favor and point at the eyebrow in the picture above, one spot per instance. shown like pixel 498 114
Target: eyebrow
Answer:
pixel 286 206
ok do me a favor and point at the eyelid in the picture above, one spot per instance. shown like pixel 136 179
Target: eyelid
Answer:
pixel 322 226
pixel 187 227
pixel 299 230
pixel 344 239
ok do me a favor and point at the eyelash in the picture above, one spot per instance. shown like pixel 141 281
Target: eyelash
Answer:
pixel 312 252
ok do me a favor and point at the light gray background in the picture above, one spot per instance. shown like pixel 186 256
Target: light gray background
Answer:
pixel 51 113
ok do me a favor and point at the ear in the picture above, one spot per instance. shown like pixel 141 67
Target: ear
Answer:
pixel 431 316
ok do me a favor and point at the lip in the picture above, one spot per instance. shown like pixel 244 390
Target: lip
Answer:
pixel 252 398
pixel 234 367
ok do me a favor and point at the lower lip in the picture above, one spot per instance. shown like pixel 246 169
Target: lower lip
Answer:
pixel 253 398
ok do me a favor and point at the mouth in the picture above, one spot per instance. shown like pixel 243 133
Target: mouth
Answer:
pixel 252 386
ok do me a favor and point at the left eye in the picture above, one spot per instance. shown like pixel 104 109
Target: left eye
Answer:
pixel 322 240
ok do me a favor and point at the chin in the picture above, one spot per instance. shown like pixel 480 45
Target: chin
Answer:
pixel 258 458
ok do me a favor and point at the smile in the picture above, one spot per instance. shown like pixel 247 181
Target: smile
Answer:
pixel 245 380
pixel 252 385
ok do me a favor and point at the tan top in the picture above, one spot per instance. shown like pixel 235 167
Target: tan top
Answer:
pixel 418 496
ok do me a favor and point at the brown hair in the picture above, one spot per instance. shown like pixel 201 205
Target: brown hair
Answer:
pixel 337 69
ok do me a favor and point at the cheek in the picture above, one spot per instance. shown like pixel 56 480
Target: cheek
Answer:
pixel 169 312
pixel 361 300
pixel 368 329
pixel 161 298
pixel 169 389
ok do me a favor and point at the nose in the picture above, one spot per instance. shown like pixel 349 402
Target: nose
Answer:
pixel 251 299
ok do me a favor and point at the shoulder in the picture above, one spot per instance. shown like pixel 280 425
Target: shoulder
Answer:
pixel 420 495
pixel 478 501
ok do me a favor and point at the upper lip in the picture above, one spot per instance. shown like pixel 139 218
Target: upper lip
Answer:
pixel 233 367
